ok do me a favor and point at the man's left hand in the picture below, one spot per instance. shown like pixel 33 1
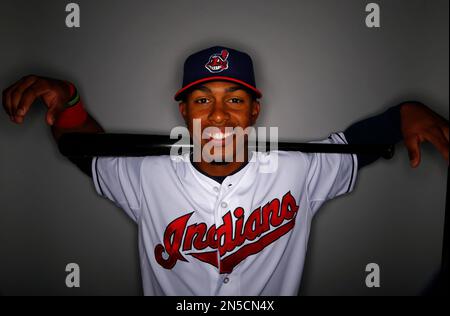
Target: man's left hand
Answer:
pixel 419 124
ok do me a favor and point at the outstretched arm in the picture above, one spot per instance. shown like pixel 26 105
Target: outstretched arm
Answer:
pixel 62 101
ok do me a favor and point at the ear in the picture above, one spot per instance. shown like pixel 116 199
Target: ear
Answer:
pixel 183 110
pixel 256 106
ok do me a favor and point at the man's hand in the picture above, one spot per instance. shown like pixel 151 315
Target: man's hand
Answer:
pixel 18 98
pixel 420 124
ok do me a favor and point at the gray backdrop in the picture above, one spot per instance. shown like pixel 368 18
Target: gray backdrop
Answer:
pixel 320 69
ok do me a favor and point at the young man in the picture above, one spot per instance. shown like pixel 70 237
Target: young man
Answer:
pixel 224 227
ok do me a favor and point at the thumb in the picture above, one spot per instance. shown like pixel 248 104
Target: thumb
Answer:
pixel 412 144
pixel 52 114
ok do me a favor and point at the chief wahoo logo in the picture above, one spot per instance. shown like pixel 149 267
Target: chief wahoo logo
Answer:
pixel 218 63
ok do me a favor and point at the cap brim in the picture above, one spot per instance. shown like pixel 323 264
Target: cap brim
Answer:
pixel 179 94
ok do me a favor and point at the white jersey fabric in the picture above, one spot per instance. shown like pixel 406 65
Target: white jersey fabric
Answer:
pixel 246 236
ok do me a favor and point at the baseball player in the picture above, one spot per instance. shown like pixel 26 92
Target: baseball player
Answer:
pixel 224 227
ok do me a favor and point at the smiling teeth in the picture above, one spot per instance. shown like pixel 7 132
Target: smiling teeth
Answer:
pixel 219 136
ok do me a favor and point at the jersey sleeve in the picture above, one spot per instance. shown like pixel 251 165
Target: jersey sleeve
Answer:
pixel 330 175
pixel 119 180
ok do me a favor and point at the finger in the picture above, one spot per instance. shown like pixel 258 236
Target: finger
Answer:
pixel 18 91
pixel 444 130
pixel 412 144
pixel 28 97
pixel 4 104
pixel 7 99
pixel 436 137
pixel 51 115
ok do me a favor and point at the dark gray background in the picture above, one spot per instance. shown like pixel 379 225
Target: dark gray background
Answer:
pixel 320 69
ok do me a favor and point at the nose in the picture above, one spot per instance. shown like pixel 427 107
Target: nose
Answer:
pixel 218 114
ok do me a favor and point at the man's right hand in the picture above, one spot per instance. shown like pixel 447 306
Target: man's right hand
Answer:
pixel 18 98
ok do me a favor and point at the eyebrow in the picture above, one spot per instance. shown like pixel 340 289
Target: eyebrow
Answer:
pixel 235 88
pixel 230 89
pixel 203 88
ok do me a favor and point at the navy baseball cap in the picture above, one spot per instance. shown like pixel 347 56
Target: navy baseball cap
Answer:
pixel 218 63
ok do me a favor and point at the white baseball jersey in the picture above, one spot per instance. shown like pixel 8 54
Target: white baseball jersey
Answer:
pixel 246 236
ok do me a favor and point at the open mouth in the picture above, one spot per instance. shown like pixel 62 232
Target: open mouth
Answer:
pixel 219 136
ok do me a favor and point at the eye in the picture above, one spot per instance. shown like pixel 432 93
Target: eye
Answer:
pixel 236 100
pixel 202 101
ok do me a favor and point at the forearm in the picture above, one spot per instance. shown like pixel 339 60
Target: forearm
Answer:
pixel 90 125
pixel 65 114
pixel 384 128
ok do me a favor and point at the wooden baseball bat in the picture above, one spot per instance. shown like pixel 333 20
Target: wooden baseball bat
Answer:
pixel 136 145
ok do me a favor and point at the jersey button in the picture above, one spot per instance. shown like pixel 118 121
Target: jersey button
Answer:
pixel 216 189
pixel 224 204
pixel 226 280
